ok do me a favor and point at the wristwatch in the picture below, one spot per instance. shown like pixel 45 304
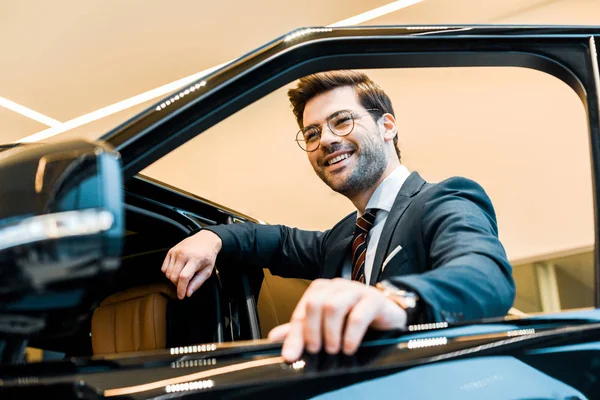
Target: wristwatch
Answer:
pixel 406 299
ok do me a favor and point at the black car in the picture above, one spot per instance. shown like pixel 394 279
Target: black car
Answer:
pixel 86 313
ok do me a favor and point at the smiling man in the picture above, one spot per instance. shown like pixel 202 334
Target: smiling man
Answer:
pixel 413 251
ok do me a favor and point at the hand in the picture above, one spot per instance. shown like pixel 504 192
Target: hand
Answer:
pixel 329 305
pixel 190 263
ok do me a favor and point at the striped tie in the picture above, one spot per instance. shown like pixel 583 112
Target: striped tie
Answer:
pixel 359 245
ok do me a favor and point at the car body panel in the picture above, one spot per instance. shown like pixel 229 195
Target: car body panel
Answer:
pixel 501 351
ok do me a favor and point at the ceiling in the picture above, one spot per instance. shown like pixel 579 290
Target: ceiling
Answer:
pixel 69 58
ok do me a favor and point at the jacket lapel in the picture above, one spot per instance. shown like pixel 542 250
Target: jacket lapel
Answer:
pixel 337 257
pixel 410 188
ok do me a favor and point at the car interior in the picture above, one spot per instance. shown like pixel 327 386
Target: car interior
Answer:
pixel 139 309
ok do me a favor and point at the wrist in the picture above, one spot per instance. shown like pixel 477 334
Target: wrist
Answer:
pixel 215 239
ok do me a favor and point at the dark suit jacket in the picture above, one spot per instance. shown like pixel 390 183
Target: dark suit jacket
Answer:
pixel 450 255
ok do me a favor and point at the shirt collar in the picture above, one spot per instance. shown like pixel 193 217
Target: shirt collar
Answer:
pixel 384 196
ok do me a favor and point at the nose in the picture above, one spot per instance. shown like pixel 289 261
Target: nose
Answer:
pixel 328 138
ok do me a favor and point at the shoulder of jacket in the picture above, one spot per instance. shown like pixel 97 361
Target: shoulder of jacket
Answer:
pixel 452 183
pixel 455 184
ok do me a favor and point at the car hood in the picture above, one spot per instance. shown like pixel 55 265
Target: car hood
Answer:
pixel 396 358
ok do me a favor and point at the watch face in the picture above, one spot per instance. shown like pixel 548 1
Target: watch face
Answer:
pixel 410 301
pixel 406 298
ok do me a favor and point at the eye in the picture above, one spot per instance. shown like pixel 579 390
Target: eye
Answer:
pixel 342 121
pixel 310 134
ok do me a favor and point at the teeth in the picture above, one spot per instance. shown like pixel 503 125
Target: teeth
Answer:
pixel 338 159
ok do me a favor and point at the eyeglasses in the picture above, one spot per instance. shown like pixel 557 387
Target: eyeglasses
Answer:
pixel 340 123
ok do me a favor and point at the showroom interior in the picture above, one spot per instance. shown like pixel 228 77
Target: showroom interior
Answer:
pixel 78 69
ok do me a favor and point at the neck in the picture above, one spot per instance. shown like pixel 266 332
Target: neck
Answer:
pixel 361 200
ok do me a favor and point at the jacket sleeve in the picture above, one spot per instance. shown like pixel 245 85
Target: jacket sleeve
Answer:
pixel 285 251
pixel 469 275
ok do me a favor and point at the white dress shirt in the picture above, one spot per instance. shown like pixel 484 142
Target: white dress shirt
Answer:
pixel 383 199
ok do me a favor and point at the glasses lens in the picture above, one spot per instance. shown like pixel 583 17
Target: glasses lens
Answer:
pixel 308 138
pixel 341 123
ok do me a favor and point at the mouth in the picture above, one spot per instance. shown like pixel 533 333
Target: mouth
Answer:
pixel 339 159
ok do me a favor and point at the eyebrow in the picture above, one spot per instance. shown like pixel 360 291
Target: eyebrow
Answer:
pixel 326 119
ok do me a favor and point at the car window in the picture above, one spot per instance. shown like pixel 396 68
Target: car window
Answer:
pixel 520 133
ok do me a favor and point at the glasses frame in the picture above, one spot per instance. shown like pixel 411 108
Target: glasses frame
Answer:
pixel 353 114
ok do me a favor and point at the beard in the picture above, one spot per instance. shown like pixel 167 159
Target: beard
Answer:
pixel 369 166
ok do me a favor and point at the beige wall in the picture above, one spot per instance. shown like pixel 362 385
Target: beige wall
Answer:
pixel 573 293
pixel 527 298
pixel 520 133
pixel 557 12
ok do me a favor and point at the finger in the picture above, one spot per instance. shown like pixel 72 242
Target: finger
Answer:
pixel 335 310
pixel 166 262
pixel 359 319
pixel 279 333
pixel 198 280
pixel 175 260
pixel 316 297
pixel 293 344
pixel 184 277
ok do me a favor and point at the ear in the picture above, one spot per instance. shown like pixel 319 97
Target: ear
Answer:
pixel 389 126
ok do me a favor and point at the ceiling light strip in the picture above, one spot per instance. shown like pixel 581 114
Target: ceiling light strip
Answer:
pixel 117 107
pixel 170 87
pixel 375 13
pixel 29 113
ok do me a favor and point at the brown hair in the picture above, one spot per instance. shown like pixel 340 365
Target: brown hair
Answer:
pixel 370 96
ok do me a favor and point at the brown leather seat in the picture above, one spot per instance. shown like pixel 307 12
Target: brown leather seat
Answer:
pixel 136 319
pixel 277 299
pixel 132 320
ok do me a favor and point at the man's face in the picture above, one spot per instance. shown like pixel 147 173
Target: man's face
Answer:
pixel 364 147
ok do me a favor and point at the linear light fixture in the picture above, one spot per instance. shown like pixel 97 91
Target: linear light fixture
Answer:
pixel 375 13
pixel 117 107
pixel 170 87
pixel 29 113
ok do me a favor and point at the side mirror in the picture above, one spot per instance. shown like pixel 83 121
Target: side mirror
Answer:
pixel 61 233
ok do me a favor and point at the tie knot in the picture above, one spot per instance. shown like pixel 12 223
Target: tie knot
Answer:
pixel 365 222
